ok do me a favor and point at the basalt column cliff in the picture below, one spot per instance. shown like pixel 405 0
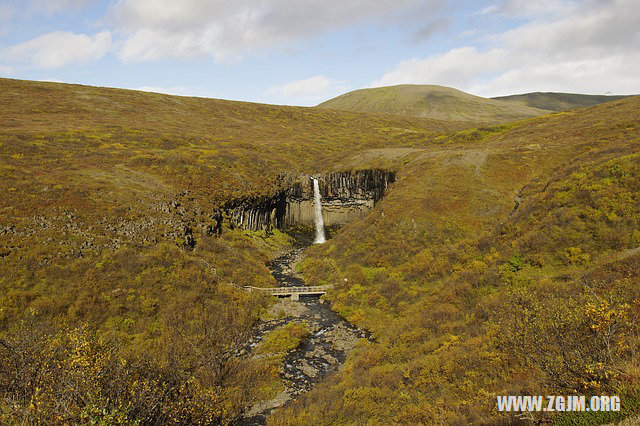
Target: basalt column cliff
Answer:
pixel 345 196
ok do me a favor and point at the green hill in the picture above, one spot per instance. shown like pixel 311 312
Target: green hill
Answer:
pixel 181 139
pixel 438 102
pixel 504 260
pixel 495 266
pixel 558 101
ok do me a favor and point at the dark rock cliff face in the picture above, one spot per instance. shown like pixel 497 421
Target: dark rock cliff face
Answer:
pixel 345 197
pixel 365 184
pixel 259 213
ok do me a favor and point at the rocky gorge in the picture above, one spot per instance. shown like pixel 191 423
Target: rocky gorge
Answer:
pixel 324 339
pixel 345 196
pixel 330 340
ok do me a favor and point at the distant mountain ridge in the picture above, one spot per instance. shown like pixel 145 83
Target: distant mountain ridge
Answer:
pixel 554 101
pixel 444 103
pixel 447 103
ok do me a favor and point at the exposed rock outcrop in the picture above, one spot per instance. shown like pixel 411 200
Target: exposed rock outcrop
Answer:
pixel 259 213
pixel 345 196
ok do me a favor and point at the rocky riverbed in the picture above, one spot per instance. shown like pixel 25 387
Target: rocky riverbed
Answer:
pixel 322 352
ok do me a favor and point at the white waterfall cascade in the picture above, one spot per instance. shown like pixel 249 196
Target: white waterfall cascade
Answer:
pixel 320 238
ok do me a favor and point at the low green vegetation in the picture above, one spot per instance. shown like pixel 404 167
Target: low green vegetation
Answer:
pixel 273 348
pixel 446 103
pixel 283 339
pixel 508 266
pixel 558 101
pixel 108 232
pixel 503 260
pixel 443 103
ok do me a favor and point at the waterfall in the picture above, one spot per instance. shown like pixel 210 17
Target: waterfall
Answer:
pixel 320 238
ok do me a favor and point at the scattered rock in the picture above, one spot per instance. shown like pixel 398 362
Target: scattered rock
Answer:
pixel 267 406
pixel 331 360
pixel 330 340
pixel 308 369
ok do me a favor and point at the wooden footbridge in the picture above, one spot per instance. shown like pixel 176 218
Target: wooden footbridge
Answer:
pixel 293 292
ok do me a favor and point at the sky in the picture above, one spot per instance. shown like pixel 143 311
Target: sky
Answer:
pixel 302 52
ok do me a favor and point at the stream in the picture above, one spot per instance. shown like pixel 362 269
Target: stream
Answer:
pixel 321 353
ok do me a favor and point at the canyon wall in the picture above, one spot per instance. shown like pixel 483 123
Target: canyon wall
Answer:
pixel 345 196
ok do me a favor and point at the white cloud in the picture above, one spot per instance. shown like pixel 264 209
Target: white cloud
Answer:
pixel 59 48
pixel 309 91
pixel 224 30
pixel 532 9
pixel 614 74
pixel 454 68
pixel 494 8
pixel 594 31
pixel 593 49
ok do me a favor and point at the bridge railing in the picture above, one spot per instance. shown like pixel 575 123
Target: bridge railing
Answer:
pixel 272 290
pixel 287 290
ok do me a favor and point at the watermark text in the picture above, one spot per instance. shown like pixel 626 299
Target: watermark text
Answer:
pixel 520 403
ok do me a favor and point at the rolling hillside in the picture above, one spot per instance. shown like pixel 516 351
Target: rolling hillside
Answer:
pixel 558 101
pixel 504 260
pixel 109 260
pixel 494 267
pixel 437 102
pixel 179 139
